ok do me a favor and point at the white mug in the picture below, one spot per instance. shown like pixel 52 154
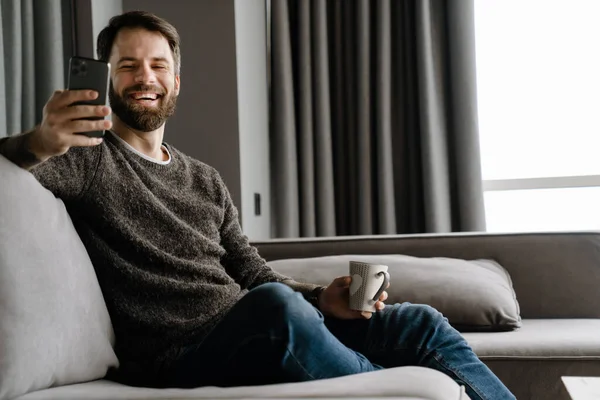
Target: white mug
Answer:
pixel 368 282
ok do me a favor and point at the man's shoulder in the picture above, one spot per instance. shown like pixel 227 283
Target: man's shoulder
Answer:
pixel 204 167
pixel 203 174
pixel 196 165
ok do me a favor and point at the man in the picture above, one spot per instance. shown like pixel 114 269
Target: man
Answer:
pixel 192 303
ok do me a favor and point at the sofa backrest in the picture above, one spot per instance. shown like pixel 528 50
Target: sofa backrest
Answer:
pixel 54 325
pixel 554 274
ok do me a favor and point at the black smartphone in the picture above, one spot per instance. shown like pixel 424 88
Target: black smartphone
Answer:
pixel 87 73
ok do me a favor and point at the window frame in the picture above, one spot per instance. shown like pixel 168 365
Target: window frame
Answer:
pixel 553 182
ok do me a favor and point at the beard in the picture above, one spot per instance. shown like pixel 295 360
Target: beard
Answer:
pixel 137 116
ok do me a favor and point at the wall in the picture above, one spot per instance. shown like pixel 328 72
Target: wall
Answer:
pixel 205 124
pixel 221 117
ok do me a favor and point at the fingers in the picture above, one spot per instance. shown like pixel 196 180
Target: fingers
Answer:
pixel 84 125
pixel 383 296
pixel 366 314
pixel 64 118
pixel 64 98
pixel 62 121
pixel 84 141
pixel 341 281
pixel 353 314
pixel 84 111
pixel 379 305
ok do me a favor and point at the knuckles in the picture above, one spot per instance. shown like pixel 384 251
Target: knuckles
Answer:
pixel 51 121
pixel 62 149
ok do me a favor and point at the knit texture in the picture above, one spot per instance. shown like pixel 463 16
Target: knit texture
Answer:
pixel 165 241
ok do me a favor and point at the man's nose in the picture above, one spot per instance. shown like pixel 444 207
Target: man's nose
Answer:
pixel 145 75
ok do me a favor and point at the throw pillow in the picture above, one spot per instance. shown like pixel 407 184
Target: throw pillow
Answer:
pixel 54 325
pixel 475 295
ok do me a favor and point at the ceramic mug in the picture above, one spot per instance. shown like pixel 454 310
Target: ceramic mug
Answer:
pixel 368 282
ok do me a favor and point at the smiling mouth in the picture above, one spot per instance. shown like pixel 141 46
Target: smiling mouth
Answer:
pixel 145 97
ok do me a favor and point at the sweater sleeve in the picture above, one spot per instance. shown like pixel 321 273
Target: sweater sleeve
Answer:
pixel 68 176
pixel 241 260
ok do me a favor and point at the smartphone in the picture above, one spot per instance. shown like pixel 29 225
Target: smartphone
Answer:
pixel 87 73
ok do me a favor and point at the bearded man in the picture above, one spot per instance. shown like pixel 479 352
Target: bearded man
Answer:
pixel 191 301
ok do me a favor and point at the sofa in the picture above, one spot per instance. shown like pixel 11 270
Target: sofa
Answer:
pixel 527 304
pixel 556 279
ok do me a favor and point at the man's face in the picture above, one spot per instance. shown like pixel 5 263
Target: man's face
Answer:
pixel 144 86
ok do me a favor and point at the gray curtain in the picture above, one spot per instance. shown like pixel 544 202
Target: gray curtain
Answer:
pixel 32 66
pixel 374 117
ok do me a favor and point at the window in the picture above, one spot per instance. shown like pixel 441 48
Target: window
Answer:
pixel 538 78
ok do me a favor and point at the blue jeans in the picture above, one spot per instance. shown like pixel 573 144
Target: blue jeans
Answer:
pixel 273 335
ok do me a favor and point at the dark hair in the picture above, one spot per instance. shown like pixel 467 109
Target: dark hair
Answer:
pixel 138 19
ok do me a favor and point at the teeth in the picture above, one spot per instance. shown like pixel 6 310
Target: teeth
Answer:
pixel 145 96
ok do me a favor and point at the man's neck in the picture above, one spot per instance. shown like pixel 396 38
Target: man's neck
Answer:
pixel 148 143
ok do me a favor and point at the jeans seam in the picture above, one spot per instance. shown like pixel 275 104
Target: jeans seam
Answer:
pixel 299 363
pixel 440 359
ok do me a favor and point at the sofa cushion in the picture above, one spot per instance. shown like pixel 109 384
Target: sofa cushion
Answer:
pixel 54 325
pixel 475 295
pixel 409 383
pixel 531 360
pixel 541 339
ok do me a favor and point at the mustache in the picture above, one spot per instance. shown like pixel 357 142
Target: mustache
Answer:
pixel 144 88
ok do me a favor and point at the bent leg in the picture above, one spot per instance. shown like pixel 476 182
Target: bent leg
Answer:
pixel 409 334
pixel 271 335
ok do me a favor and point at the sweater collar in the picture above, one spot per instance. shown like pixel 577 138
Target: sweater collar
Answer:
pixel 144 156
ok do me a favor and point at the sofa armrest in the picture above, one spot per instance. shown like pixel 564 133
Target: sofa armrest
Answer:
pixel 555 274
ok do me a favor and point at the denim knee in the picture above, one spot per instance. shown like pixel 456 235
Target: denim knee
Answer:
pixel 426 312
pixel 282 300
pixel 273 292
pixel 422 314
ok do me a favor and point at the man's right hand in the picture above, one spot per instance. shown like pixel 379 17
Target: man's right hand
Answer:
pixel 61 123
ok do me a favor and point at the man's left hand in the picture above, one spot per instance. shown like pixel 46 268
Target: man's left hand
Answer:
pixel 333 301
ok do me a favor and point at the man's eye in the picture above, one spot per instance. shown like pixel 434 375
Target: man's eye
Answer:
pixel 126 66
pixel 159 67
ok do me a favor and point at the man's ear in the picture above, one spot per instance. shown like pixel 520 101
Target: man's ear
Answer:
pixel 177 83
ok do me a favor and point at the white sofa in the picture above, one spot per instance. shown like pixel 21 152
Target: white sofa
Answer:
pixel 56 338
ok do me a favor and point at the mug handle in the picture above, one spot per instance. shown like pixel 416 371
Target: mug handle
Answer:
pixel 386 280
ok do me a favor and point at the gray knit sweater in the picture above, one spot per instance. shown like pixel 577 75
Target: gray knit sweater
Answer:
pixel 164 239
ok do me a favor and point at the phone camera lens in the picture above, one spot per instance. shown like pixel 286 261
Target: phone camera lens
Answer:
pixel 79 67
